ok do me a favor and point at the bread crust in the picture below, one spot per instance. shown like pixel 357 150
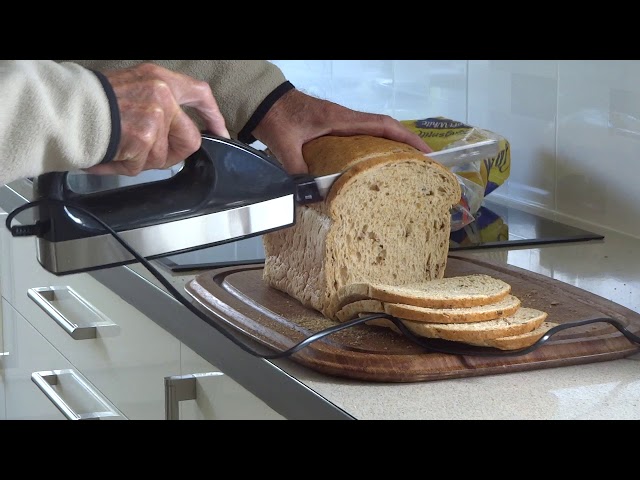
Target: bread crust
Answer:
pixel 524 321
pixel 503 308
pixel 333 154
pixel 517 342
pixel 391 294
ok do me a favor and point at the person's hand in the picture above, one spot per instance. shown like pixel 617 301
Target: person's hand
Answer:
pixel 156 131
pixel 297 118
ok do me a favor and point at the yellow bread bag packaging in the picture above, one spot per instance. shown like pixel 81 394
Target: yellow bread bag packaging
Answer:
pixel 441 133
pixel 478 178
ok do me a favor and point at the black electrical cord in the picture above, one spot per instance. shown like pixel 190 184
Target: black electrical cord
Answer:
pixel 30 230
pixel 430 345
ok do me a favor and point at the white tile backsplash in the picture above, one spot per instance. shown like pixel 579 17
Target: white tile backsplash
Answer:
pixel 310 76
pixel 430 88
pixel 573 125
pixel 598 153
pixel 365 85
pixel 517 99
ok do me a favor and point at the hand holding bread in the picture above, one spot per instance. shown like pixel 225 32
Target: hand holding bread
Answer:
pixel 297 118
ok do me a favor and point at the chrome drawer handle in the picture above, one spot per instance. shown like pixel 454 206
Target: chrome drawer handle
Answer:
pixel 92 318
pixel 181 387
pixel 46 380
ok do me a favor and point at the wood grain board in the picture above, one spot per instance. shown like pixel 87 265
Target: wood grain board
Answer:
pixel 239 298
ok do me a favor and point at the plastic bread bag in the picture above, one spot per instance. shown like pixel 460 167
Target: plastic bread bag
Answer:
pixel 470 201
pixel 478 177
pixel 488 227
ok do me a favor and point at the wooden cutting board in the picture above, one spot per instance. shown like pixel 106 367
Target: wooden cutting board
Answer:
pixel 239 297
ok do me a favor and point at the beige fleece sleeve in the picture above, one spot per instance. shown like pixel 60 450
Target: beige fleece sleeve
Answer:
pixel 53 117
pixel 239 86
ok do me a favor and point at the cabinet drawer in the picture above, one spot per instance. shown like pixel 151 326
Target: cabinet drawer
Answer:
pixel 117 348
pixel 31 361
pixel 202 392
pixel 6 265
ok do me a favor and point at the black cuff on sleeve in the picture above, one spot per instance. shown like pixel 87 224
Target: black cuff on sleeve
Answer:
pixel 245 135
pixel 116 132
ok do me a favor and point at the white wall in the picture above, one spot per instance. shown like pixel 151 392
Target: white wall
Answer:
pixel 573 125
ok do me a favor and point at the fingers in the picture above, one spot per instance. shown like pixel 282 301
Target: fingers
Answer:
pixel 155 131
pixel 287 149
pixel 380 126
pixel 395 130
pixel 297 118
pixel 200 97
pixel 197 94
pixel 112 168
pixel 184 139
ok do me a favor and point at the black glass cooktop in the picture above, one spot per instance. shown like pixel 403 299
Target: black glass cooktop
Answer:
pixel 497 225
pixel 494 226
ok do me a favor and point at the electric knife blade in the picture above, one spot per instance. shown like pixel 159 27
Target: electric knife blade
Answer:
pixel 473 151
pixel 325 182
pixel 310 189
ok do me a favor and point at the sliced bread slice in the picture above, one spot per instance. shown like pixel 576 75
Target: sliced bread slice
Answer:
pixel 502 308
pixel 449 292
pixel 516 342
pixel 523 321
pixel 508 342
pixel 360 307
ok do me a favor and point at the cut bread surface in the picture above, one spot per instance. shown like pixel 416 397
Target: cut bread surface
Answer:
pixel 358 308
pixel 516 331
pixel 523 321
pixel 502 308
pixel 449 292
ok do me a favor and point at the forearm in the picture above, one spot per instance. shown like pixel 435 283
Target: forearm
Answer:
pixel 243 89
pixel 53 117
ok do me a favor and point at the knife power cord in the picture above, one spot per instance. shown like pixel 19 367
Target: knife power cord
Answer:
pixel 430 345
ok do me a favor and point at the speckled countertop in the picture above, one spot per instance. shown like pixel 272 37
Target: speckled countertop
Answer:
pixel 603 390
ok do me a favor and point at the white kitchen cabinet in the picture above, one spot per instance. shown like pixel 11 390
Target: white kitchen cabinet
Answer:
pixel 104 339
pixel 40 384
pixel 6 267
pixel 3 354
pixel 117 348
pixel 3 351
pixel 109 359
pixel 202 392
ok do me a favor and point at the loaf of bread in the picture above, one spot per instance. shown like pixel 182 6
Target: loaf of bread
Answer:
pixel 386 220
